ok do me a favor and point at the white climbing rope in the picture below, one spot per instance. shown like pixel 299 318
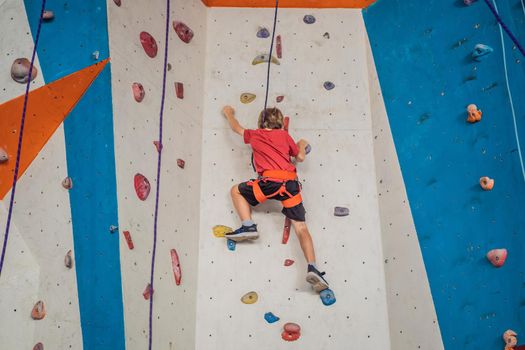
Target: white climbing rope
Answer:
pixel 508 90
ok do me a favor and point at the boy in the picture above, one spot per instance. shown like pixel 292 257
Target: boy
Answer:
pixel 272 148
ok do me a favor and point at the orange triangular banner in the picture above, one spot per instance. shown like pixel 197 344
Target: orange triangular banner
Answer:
pixel 47 107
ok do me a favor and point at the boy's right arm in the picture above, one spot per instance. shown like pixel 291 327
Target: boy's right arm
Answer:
pixel 229 113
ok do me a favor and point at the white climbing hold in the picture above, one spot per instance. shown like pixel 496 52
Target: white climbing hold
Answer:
pixel 3 156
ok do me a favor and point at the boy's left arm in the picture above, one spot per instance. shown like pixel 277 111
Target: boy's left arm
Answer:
pixel 229 113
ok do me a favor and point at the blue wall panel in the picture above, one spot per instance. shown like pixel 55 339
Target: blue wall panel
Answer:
pixel 422 52
pixel 66 45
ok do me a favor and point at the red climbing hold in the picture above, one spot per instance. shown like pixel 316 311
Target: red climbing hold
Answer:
pixel 20 70
pixel 279 98
pixel 149 44
pixel 148 292
pixel 48 15
pixel 129 241
pixel 291 332
pixel 497 257
pixel 158 145
pixel 68 260
pixel 279 47
pixel 179 90
pixel 286 231
pixel 175 264
pixel 183 31
pixel 39 311
pixel 181 163
pixel 38 346
pixel 142 186
pixel 138 92
pixel 117 2
pixel 288 262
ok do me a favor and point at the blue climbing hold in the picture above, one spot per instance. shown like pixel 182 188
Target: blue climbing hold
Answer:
pixel 263 33
pixel 308 148
pixel 481 51
pixel 231 244
pixel 270 317
pixel 328 85
pixel 327 297
pixel 309 19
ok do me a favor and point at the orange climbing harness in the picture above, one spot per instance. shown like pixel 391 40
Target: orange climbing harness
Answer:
pixel 278 176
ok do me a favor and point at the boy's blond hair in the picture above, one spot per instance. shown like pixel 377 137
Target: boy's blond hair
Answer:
pixel 271 118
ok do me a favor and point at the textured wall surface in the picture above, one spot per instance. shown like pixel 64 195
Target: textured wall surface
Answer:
pixel 428 78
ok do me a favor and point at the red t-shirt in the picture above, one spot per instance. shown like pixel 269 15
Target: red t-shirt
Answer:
pixel 271 149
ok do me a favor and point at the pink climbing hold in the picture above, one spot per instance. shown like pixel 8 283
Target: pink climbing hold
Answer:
pixel 39 311
pixel 67 183
pixel 129 241
pixel 181 163
pixel 138 92
pixel 148 292
pixel 486 183
pixel 48 15
pixel 279 99
pixel 149 44
pixel 142 186
pixel 279 47
pixel 38 346
pixel 497 257
pixel 20 70
pixel 158 145
pixel 175 264
pixel 183 31
pixel 68 259
pixel 179 90
pixel 288 262
pixel 291 332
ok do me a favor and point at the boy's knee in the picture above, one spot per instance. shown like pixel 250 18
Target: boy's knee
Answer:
pixel 300 228
pixel 235 190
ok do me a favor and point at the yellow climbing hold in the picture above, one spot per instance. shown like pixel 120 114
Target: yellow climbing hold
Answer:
pixel 265 58
pixel 220 230
pixel 247 97
pixel 250 298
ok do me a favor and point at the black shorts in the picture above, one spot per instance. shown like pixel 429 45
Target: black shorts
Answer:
pixel 296 213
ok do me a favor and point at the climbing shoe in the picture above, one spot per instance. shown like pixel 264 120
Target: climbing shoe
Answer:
pixel 316 279
pixel 243 233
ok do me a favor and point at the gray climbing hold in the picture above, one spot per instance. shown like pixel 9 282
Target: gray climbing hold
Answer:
pixel 328 85
pixel 326 35
pixel 469 2
pixel 308 148
pixel 48 15
pixel 309 19
pixel 480 51
pixel 95 55
pixel 3 156
pixel 263 33
pixel 68 260
pixel 341 211
pixel 20 70
pixel 113 228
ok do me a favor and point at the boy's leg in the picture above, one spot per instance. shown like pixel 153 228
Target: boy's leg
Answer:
pixel 248 229
pixel 313 276
pixel 241 204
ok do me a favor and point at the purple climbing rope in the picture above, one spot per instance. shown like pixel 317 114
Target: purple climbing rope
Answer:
pixel 20 138
pixel 270 59
pixel 504 26
pixel 159 162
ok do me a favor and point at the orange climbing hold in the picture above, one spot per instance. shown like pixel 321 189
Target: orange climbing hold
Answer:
pixel 474 114
pixel 497 257
pixel 39 311
pixel 47 107
pixel 486 183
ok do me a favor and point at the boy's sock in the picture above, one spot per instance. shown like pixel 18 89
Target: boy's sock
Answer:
pixel 248 223
pixel 313 264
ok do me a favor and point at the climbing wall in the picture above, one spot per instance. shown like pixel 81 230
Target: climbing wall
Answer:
pixel 412 318
pixel 340 171
pixel 136 127
pixel 423 53
pixel 41 232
